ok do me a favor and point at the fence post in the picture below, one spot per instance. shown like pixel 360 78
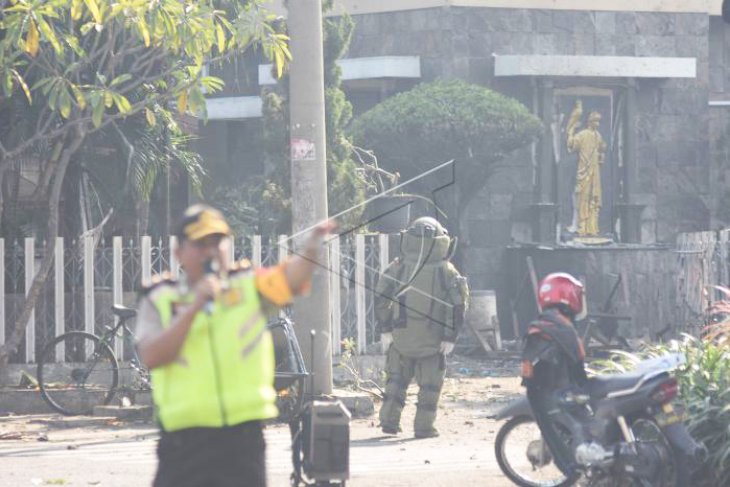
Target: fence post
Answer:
pixel 174 264
pixel 117 288
pixel 283 251
pixel 335 286
pixel 89 311
pixel 2 291
pixel 724 257
pixel 384 261
pixel 60 297
pixel 146 259
pixel 29 274
pixel 256 251
pixel 360 308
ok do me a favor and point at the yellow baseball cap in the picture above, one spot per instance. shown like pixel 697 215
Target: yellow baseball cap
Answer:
pixel 199 221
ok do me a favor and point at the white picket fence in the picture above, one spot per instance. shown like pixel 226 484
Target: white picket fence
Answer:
pixel 87 278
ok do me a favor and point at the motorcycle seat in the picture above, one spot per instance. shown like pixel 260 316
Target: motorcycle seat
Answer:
pixel 602 385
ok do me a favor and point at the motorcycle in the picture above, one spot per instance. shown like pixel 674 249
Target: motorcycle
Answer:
pixel 623 430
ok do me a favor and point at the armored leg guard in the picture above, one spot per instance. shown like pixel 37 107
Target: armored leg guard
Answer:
pixel 430 373
pixel 399 372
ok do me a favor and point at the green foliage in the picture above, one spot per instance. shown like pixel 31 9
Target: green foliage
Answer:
pixel 443 120
pixel 350 364
pixel 262 204
pixel 153 149
pixel 94 59
pixel 705 392
pixel 269 199
pixel 257 204
pixel 70 69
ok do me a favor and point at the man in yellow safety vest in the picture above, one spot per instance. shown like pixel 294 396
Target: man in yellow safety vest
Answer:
pixel 205 340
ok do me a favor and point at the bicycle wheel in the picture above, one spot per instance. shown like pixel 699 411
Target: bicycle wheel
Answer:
pixel 77 371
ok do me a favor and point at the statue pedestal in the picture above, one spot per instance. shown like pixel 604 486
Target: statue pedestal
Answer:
pixel 644 294
pixel 630 215
pixel 592 240
pixel 545 217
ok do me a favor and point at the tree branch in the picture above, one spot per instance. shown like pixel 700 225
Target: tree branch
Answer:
pixel 108 50
pixel 130 156
pixel 39 280
pixel 3 169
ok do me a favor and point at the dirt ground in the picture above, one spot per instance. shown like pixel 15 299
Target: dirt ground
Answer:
pixel 43 447
pixel 474 388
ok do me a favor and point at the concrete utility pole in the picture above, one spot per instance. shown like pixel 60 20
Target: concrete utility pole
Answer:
pixel 309 176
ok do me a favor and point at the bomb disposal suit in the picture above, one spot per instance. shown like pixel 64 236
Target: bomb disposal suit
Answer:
pixel 421 302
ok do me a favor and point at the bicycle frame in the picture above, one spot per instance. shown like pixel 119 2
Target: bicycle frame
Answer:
pixel 126 314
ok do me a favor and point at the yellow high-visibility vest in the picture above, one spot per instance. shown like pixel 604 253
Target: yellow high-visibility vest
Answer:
pixel 224 374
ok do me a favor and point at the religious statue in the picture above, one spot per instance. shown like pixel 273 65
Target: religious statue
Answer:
pixel 591 150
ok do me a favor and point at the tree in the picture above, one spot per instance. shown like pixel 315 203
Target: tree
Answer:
pixel 264 205
pixel 443 120
pixel 72 68
pixel 148 160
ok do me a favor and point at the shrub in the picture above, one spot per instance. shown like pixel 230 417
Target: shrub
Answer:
pixel 705 393
pixel 443 120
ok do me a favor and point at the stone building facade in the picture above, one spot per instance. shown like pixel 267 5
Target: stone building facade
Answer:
pixel 658 71
pixel 670 145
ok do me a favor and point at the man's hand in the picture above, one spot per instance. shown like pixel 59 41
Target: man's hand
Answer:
pixel 206 290
pixel 299 269
pixel 318 234
pixel 164 347
pixel 325 228
pixel 446 348
pixel 385 340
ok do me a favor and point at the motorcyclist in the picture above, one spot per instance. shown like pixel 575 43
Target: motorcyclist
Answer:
pixel 553 357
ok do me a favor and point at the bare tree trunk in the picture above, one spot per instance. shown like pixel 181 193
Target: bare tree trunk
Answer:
pixel 3 169
pixel 143 216
pixel 39 280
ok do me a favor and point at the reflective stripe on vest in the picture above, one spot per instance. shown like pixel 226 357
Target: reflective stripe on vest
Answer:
pixel 225 372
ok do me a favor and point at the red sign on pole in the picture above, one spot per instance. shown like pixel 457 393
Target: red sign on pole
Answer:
pixel 302 150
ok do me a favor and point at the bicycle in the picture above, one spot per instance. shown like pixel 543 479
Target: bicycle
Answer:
pixel 88 374
pixel 79 370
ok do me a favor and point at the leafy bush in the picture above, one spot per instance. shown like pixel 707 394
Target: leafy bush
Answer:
pixel 269 217
pixel 443 120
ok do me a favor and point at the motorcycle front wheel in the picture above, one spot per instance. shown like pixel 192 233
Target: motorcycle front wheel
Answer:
pixel 524 457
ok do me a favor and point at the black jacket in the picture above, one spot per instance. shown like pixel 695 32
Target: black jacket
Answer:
pixel 553 362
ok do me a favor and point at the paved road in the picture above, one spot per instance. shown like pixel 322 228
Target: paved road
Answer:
pixel 126 461
pixel 124 455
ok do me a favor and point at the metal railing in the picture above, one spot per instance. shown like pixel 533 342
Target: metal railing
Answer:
pixel 87 278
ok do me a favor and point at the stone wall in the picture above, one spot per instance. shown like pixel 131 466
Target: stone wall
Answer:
pixel 647 293
pixel 673 149
pixel 720 122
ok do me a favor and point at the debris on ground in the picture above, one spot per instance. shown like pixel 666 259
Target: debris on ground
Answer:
pixel 507 365
pixel 11 435
pixel 27 381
